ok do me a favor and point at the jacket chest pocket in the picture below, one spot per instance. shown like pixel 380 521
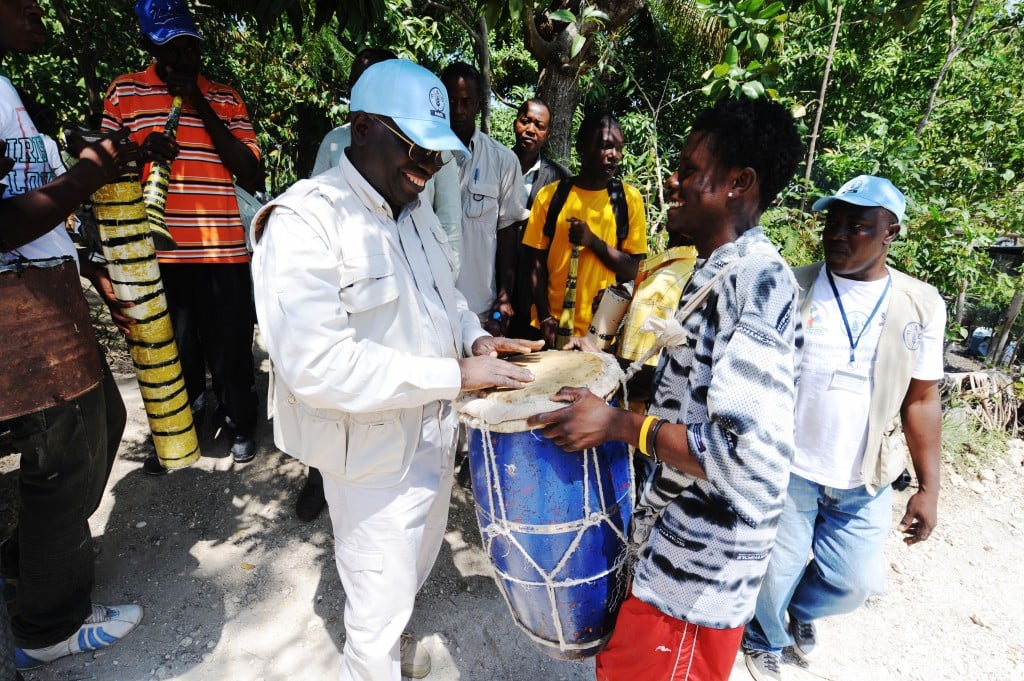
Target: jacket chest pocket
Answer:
pixel 367 282
pixel 480 204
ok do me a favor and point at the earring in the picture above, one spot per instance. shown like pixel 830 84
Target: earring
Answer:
pixel 730 195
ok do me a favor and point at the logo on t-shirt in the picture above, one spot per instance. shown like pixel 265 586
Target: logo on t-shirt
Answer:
pixel 437 103
pixel 912 333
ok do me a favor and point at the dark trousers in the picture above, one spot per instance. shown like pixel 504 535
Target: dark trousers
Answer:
pixel 212 311
pixel 67 452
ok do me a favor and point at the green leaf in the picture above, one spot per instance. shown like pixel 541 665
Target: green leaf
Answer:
pixel 731 56
pixel 577 44
pixel 762 42
pixel 753 89
pixel 591 12
pixel 798 111
pixel 563 15
pixel 771 10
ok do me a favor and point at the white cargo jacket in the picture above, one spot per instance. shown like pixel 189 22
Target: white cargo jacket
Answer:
pixel 354 359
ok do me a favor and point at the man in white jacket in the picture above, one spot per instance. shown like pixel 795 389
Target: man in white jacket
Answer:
pixel 368 336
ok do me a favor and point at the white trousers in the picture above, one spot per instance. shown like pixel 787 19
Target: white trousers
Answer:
pixel 385 543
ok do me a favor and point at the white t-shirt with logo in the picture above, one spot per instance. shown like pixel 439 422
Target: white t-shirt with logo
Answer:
pixel 31 171
pixel 834 396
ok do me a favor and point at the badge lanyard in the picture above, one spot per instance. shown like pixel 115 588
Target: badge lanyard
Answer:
pixel 846 323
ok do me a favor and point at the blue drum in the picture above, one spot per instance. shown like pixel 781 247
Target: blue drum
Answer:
pixel 553 523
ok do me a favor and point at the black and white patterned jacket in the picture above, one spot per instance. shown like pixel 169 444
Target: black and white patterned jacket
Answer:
pixel 733 383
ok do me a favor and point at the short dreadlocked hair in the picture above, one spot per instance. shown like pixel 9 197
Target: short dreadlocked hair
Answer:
pixel 754 133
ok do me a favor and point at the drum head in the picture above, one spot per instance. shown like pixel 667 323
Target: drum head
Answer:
pixel 506 411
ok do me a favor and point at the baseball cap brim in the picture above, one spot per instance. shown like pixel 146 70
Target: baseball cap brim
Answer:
pixel 433 135
pixel 854 200
pixel 164 36
pixel 824 202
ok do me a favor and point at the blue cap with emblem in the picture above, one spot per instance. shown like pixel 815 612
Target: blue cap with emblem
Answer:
pixel 414 98
pixel 868 190
pixel 163 20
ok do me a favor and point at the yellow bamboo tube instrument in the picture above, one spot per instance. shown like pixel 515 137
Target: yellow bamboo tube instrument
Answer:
pixel 132 265
pixel 155 193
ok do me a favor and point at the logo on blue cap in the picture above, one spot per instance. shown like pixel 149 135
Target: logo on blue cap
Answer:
pixel 437 102
pixel 163 20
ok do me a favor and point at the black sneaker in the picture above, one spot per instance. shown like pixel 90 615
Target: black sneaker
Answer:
pixel 243 448
pixel 152 465
pixel 804 637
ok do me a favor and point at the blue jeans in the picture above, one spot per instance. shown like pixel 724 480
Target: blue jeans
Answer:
pixel 845 529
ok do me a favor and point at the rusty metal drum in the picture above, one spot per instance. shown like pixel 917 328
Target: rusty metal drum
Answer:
pixel 48 351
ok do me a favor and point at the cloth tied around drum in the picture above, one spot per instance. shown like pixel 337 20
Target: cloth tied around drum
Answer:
pixel 506 411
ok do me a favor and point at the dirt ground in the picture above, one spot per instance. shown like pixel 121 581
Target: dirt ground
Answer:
pixel 235 588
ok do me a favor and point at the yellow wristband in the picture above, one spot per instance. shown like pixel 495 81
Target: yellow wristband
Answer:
pixel 644 429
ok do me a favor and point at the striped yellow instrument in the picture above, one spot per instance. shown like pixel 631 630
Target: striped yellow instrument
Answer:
pixel 131 262
pixel 155 193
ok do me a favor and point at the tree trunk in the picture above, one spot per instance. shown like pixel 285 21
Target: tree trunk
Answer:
pixel 821 101
pixel 998 343
pixel 560 70
pixel 482 47
pixel 961 303
pixel 560 88
pixel 956 46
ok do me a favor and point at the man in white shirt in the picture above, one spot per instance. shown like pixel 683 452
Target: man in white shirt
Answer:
pixel 493 205
pixel 441 192
pixel 872 355
pixel 368 335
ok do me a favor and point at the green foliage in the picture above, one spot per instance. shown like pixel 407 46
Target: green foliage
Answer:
pixel 754 27
pixel 795 233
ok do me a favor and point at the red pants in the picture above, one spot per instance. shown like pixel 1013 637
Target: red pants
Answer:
pixel 650 645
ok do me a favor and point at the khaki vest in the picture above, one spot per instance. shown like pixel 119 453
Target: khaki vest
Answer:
pixel 911 304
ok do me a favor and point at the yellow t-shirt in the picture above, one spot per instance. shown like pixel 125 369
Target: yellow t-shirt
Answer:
pixel 659 286
pixel 595 208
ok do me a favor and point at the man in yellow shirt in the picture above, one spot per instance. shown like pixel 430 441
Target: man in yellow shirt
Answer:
pixel 588 224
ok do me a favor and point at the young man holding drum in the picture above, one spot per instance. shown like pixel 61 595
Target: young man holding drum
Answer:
pixel 721 413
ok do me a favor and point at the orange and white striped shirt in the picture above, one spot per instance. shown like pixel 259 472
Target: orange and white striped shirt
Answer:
pixel 202 212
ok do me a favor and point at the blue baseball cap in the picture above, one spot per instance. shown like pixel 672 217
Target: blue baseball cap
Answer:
pixel 868 190
pixel 414 98
pixel 163 20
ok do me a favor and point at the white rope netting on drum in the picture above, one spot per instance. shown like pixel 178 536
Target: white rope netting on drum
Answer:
pixel 507 413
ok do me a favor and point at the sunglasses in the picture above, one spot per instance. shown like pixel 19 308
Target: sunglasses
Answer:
pixel 417 154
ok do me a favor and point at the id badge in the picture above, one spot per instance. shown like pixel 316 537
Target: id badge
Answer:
pixel 849 381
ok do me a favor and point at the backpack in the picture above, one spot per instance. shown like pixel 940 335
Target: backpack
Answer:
pixel 616 195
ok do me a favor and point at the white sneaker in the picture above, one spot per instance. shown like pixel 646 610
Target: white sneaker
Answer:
pixel 103 628
pixel 414 656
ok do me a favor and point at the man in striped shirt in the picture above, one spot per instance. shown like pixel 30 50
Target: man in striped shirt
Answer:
pixel 207 280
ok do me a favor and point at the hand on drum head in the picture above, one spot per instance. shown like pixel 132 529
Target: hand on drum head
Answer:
pixel 499 346
pixel 583 343
pixel 587 422
pixel 486 371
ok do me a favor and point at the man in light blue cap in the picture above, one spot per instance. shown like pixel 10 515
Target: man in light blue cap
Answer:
pixel 872 356
pixel 370 341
